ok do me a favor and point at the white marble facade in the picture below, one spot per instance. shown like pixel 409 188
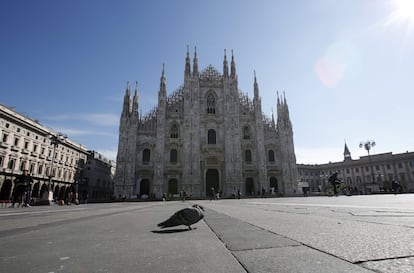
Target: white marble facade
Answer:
pixel 205 135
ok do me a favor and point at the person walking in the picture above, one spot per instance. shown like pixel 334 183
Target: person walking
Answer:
pixel 22 189
pixel 27 181
pixel 333 179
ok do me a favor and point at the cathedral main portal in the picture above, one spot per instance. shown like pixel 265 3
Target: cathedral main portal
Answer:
pixel 212 181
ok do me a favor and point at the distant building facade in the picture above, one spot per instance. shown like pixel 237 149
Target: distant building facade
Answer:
pixel 368 174
pixel 205 137
pixel 97 178
pixel 26 144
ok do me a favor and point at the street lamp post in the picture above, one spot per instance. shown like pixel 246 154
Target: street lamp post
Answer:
pixel 368 145
pixel 55 140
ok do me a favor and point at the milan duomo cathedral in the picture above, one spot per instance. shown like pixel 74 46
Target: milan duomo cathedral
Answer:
pixel 206 136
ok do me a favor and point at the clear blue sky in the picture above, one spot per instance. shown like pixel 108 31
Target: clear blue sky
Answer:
pixel 346 66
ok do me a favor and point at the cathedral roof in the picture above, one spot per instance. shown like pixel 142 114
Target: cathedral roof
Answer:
pixel 210 73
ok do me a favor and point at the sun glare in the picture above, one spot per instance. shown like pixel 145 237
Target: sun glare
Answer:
pixel 404 10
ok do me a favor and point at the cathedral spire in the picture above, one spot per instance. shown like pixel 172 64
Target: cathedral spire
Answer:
pixel 233 66
pixel 225 66
pixel 135 101
pixel 195 63
pixel 256 86
pixel 126 110
pixel 278 100
pixel 283 116
pixel 163 84
pixel 187 63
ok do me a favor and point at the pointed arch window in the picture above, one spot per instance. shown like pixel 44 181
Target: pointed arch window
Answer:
pixel 211 136
pixel 246 132
pixel 248 156
pixel 211 104
pixel 271 156
pixel 146 156
pixel 173 156
pixel 174 131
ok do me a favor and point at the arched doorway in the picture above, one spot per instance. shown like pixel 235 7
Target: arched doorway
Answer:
pixel 249 186
pixel 212 181
pixel 173 186
pixel 5 192
pixel 35 191
pixel 62 193
pixel 273 184
pixel 43 189
pixel 144 187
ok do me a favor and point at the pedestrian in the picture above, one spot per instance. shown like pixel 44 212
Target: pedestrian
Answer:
pixel 238 194
pixel 22 189
pixel 263 192
pixel 396 187
pixel 333 179
pixel 213 194
pixel 27 182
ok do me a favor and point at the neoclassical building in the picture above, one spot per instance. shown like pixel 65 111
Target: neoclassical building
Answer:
pixel 206 134
pixel 52 160
pixel 368 174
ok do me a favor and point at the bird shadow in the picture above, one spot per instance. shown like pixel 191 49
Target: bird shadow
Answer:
pixel 167 231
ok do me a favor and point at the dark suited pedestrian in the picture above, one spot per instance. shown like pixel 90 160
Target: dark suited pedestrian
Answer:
pixel 22 189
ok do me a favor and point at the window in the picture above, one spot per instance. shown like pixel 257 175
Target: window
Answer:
pixel 211 104
pixel 16 141
pixel 146 156
pixel 174 131
pixel 5 136
pixel 11 163
pixel 32 168
pixel 22 165
pixel 211 137
pixel 1 161
pixel 271 156
pixel 248 156
pixel 246 132
pixel 173 156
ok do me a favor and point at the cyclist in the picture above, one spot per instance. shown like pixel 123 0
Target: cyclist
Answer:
pixel 333 179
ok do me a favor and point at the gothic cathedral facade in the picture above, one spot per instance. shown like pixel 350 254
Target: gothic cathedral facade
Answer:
pixel 206 136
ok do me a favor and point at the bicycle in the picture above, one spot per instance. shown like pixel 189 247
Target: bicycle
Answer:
pixel 341 188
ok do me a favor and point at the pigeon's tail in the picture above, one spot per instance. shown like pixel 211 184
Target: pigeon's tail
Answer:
pixel 171 222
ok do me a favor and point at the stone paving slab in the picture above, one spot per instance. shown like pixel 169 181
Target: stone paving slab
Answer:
pixel 239 235
pixel 402 265
pixel 296 259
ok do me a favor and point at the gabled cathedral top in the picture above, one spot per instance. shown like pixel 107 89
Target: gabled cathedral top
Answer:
pixel 210 73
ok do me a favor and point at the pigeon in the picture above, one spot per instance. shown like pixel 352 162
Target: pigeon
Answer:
pixel 186 217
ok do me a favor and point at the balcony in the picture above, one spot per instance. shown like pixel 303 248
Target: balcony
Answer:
pixel 15 149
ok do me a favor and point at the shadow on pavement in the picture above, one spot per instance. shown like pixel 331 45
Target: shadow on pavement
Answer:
pixel 167 231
